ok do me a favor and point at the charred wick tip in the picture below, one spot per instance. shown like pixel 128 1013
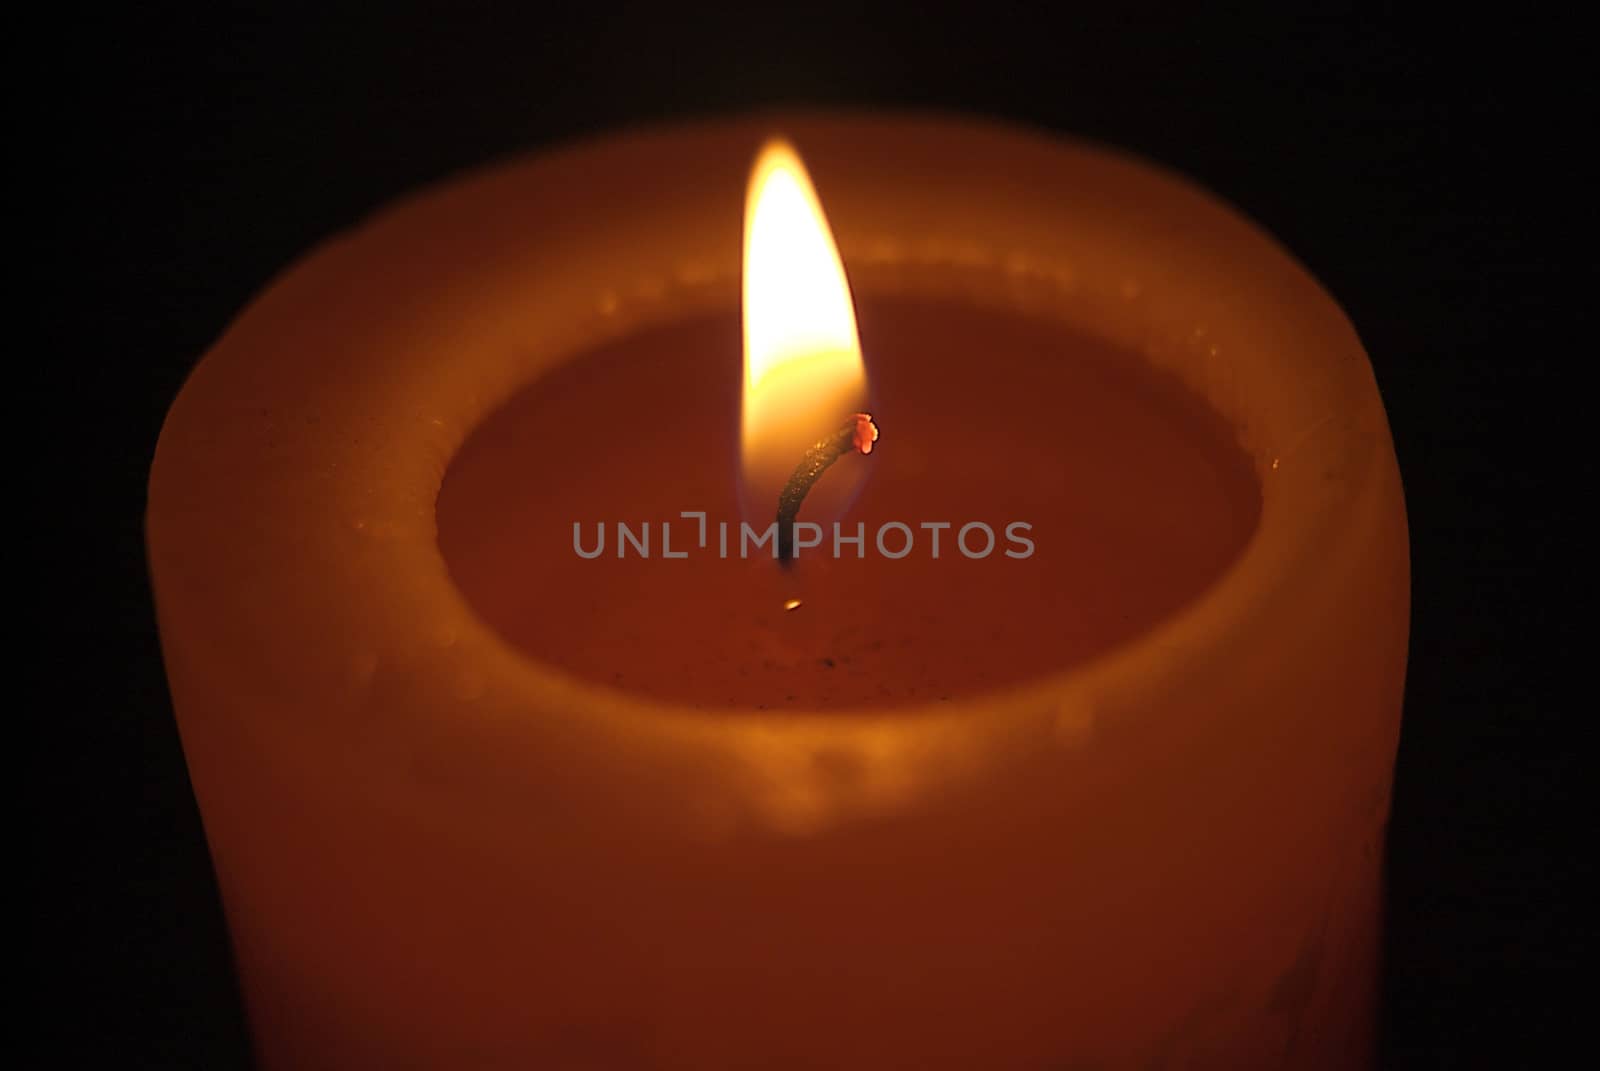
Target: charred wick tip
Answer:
pixel 856 436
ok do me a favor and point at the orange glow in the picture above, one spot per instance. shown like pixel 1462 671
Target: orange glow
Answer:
pixel 803 372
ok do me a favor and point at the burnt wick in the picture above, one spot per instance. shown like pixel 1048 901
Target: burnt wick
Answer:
pixel 856 436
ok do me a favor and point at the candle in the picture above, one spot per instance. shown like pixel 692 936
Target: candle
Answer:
pixel 475 799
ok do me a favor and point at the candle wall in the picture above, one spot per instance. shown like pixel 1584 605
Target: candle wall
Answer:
pixel 435 852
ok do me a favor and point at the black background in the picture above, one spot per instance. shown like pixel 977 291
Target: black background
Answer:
pixel 1424 171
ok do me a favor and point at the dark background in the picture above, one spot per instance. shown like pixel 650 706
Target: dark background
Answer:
pixel 1424 171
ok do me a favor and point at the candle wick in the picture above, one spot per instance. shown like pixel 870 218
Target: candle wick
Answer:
pixel 856 436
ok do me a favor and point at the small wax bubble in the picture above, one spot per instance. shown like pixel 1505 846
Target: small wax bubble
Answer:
pixel 791 604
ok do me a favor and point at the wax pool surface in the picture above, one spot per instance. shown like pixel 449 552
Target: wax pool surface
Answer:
pixel 1137 497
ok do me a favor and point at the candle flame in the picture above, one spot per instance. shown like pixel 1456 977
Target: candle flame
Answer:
pixel 803 371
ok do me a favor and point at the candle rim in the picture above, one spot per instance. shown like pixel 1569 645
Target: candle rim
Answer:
pixel 1317 487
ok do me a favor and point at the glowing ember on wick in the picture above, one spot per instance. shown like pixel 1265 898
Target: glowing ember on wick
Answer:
pixel 858 435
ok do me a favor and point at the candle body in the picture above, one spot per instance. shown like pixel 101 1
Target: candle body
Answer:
pixel 436 852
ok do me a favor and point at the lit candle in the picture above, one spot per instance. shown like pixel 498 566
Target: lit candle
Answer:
pixel 478 799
